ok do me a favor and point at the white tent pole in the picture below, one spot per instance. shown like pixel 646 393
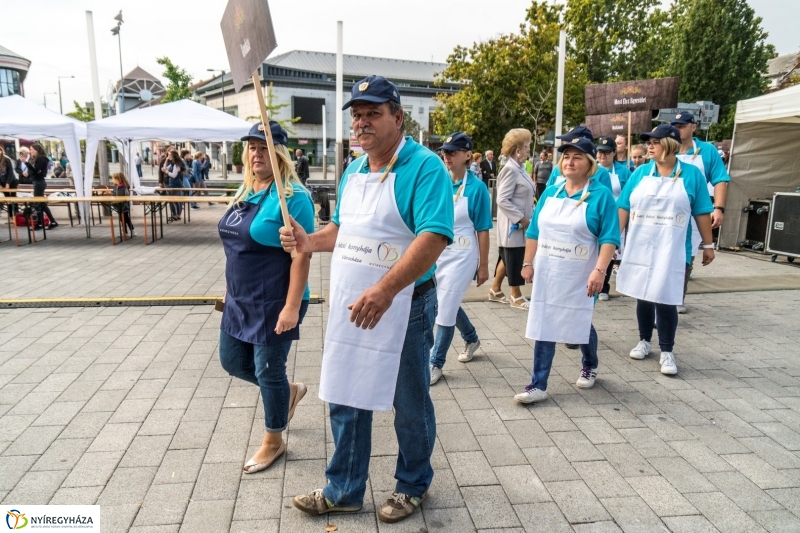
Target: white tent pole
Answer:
pixel 98 107
pixel 324 146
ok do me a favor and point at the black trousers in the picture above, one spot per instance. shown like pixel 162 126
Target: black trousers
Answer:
pixel 39 187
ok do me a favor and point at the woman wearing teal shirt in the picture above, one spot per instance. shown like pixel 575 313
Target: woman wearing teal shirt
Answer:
pixel 659 200
pixel 571 239
pixel 267 291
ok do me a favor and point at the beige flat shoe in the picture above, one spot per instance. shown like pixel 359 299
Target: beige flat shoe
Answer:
pixel 301 391
pixel 251 467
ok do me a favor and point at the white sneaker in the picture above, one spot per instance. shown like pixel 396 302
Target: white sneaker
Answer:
pixel 531 396
pixel 681 309
pixel 587 377
pixel 436 373
pixel 603 297
pixel 642 350
pixel 469 351
pixel 668 365
pixel 133 233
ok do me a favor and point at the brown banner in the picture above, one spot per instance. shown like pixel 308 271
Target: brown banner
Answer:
pixel 623 96
pixel 249 37
pixel 617 124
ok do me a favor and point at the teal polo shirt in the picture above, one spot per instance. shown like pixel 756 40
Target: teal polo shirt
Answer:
pixel 715 171
pixel 479 204
pixel 602 217
pixel 693 181
pixel 422 190
pixel 267 223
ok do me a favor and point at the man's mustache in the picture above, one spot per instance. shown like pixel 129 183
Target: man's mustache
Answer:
pixel 362 131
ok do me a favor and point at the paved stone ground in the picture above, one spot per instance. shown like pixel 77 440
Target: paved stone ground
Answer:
pixel 128 408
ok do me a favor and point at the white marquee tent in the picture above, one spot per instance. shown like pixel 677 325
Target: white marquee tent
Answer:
pixel 179 121
pixel 765 155
pixel 23 119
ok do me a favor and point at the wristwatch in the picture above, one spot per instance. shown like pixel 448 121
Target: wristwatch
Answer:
pixel 720 208
pixel 527 265
pixel 708 246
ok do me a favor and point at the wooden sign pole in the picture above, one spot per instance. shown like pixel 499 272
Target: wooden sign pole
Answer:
pixel 629 139
pixel 273 159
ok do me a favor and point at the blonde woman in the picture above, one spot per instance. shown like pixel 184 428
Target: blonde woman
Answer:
pixel 515 191
pixel 267 290
pixel 638 155
pixel 659 200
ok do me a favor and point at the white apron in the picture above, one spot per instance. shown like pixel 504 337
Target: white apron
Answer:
pixel 696 160
pixel 566 255
pixel 360 366
pixel 616 190
pixel 655 258
pixel 457 264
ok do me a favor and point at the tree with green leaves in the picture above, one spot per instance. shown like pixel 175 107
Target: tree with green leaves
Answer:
pixel 719 50
pixel 412 128
pixel 272 111
pixel 617 40
pixel 84 114
pixel 510 82
pixel 178 81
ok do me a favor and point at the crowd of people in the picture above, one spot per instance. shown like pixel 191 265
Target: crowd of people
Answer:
pixel 409 235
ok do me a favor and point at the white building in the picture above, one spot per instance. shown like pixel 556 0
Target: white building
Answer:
pixel 307 80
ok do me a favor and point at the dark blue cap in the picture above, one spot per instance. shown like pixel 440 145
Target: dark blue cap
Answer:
pixel 663 130
pixel 457 141
pixel 606 144
pixel 577 131
pixel 580 143
pixel 683 118
pixel 279 135
pixel 375 89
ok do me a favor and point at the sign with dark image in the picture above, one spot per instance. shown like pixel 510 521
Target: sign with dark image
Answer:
pixel 249 37
pixel 617 123
pixel 641 95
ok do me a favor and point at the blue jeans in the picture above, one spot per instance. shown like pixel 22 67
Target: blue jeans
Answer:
pixel 264 366
pixel 545 351
pixel 414 421
pixel 444 337
pixel 175 183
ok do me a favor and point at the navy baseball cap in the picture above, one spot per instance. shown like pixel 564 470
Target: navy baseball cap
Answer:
pixel 279 135
pixel 375 89
pixel 457 141
pixel 683 118
pixel 662 131
pixel 580 143
pixel 606 144
pixel 577 131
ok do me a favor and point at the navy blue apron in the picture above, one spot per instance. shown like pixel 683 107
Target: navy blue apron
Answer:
pixel 257 280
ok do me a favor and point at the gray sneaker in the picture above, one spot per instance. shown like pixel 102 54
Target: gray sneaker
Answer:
pixel 399 506
pixel 315 503
pixel 469 351
pixel 436 374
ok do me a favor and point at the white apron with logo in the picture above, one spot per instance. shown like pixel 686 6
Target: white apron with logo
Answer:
pixel 655 258
pixel 696 160
pixel 566 255
pixel 457 264
pixel 616 190
pixel 360 366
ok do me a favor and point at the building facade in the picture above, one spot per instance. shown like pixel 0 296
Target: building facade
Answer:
pixel 302 82
pixel 13 69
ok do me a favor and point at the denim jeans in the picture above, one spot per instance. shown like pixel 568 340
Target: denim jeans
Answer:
pixel 414 421
pixel 264 366
pixel 444 337
pixel 176 183
pixel 545 351
pixel 666 319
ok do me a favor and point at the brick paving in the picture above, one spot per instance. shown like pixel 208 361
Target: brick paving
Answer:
pixel 129 409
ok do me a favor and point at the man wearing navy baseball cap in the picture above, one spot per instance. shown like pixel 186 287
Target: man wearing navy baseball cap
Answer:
pixel 706 158
pixel 394 218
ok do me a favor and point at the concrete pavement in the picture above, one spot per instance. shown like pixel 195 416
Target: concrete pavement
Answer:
pixel 128 408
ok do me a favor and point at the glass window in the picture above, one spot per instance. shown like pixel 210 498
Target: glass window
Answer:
pixel 9 82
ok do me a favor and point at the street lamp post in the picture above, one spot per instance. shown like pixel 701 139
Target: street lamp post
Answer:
pixel 60 104
pixel 45 98
pixel 221 84
pixel 115 31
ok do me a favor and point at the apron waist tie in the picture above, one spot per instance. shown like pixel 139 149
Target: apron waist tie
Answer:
pixel 422 288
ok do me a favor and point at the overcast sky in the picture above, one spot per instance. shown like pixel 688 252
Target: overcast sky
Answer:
pixel 52 34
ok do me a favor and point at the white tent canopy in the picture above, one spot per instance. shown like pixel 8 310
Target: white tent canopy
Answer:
pixel 183 120
pixel 765 155
pixel 22 119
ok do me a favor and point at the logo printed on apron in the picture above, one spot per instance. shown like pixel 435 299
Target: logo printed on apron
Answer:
pixel 659 218
pixel 563 250
pixel 368 251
